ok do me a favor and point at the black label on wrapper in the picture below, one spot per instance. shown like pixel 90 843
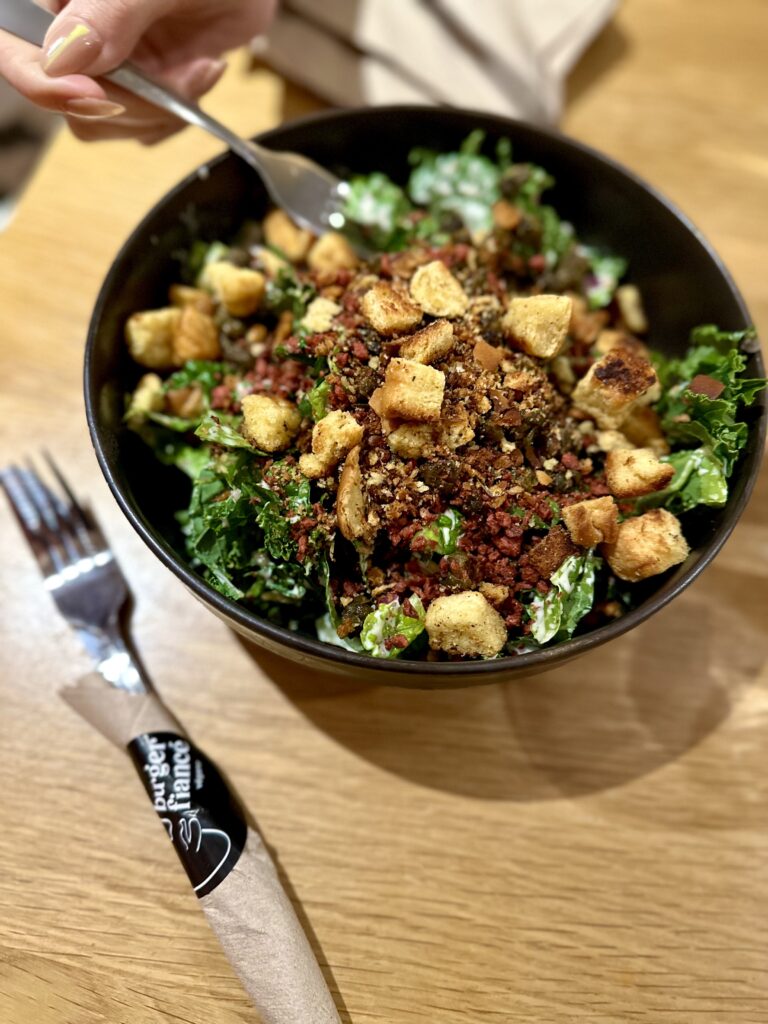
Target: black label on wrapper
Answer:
pixel 202 818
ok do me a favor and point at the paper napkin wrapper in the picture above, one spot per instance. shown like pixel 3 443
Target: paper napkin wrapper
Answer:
pixel 248 910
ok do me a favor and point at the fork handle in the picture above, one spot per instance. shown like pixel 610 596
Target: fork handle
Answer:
pixel 227 861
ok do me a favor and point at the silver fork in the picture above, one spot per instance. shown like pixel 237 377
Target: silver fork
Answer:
pixel 79 570
pixel 311 194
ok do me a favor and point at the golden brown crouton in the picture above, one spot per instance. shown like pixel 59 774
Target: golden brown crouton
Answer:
pixel 612 440
pixel 539 324
pixel 488 356
pixel 411 391
pixel 586 323
pixel 149 396
pixel 292 241
pixel 196 337
pixel 465 624
pixel 332 252
pixel 150 336
pixel 549 553
pixel 418 440
pixel 614 385
pixel 646 545
pixel 610 339
pixel 592 522
pixel 388 309
pixel 630 303
pixel 430 343
pixel 437 292
pixel 643 428
pixel 184 295
pixel 505 215
pixel 239 289
pixel 494 593
pixel 319 315
pixel 630 474
pixel 350 500
pixel 270 422
pixel 332 437
pixel 188 403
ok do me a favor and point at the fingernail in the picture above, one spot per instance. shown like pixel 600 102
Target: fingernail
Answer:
pixel 207 76
pixel 90 109
pixel 69 47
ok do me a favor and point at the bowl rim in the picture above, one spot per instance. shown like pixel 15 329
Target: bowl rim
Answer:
pixel 249 621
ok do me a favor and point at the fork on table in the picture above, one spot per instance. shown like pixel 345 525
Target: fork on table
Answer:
pixel 225 857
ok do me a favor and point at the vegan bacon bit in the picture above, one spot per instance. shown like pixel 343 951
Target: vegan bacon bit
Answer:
pixel 705 385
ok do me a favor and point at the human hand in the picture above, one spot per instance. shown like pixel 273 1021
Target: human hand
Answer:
pixel 179 42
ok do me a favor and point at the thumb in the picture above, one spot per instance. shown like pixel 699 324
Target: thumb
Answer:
pixel 92 37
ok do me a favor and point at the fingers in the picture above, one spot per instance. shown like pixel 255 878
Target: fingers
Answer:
pixel 91 36
pixel 142 120
pixel 73 94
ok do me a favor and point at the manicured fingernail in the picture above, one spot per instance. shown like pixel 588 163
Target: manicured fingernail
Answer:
pixel 69 47
pixel 207 76
pixel 91 109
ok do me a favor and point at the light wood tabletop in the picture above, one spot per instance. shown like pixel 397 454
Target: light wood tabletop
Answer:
pixel 590 845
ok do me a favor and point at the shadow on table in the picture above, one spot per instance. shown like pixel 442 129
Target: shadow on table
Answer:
pixel 611 716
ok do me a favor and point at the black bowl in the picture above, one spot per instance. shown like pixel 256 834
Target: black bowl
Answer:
pixel 682 280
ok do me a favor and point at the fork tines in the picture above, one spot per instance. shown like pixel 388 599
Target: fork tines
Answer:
pixel 62 534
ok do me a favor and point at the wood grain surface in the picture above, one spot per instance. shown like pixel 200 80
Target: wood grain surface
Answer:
pixel 590 845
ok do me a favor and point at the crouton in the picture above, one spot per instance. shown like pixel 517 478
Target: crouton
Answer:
pixel 437 292
pixel 330 253
pixel 149 396
pixel 291 240
pixel 239 289
pixel 418 440
pixel 332 437
pixel 183 295
pixel 494 593
pixel 270 422
pixel 388 309
pixel 411 391
pixel 505 215
pixel 585 323
pixel 614 386
pixel 319 315
pixel 196 337
pixel 150 336
pixel 269 261
pixel 539 324
pixel 403 264
pixel 563 373
pixel 488 356
pixel 465 624
pixel 350 500
pixel 630 303
pixel 630 474
pixel 612 440
pixel 549 553
pixel 592 522
pixel 430 343
pixel 412 440
pixel 643 428
pixel 646 546
pixel 188 402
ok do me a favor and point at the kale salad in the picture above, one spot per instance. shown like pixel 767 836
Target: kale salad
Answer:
pixel 458 448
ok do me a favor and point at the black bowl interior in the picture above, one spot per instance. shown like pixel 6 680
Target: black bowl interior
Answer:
pixel 682 280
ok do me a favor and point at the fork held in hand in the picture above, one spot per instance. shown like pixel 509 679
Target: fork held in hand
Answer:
pixel 80 571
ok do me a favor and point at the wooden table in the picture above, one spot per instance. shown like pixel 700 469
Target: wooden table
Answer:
pixel 590 845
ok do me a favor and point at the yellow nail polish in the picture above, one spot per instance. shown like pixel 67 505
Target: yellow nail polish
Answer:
pixel 73 46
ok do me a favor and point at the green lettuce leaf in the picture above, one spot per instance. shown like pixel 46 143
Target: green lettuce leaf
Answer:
pixel 286 293
pixel 204 373
pixel 381 207
pixel 315 402
pixel 326 631
pixel 605 273
pixel 699 480
pixel 444 533
pixel 216 430
pixel 556 614
pixel 387 621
